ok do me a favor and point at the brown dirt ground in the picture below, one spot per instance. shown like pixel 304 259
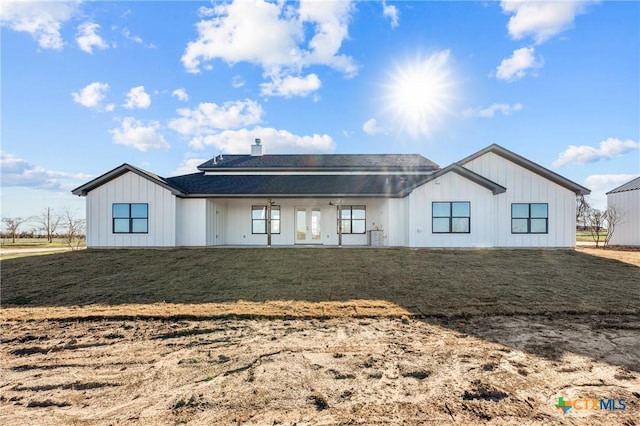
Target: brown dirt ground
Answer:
pixel 505 370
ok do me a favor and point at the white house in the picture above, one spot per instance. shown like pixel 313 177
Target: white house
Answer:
pixel 626 199
pixel 493 198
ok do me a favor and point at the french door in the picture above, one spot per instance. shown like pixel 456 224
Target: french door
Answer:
pixel 308 225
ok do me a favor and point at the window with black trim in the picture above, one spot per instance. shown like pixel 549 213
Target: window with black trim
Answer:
pixel 130 218
pixel 529 218
pixel 451 217
pixel 353 219
pixel 259 219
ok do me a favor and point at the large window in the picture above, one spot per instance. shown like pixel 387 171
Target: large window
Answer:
pixel 451 217
pixel 529 218
pixel 259 219
pixel 353 220
pixel 130 218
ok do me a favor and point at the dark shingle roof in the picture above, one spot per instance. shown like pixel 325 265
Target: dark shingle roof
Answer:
pixel 295 185
pixel 632 185
pixel 350 162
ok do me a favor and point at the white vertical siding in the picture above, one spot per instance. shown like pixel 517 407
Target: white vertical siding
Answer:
pixel 192 223
pixel 627 232
pixel 397 222
pixel 451 187
pixel 131 188
pixel 524 186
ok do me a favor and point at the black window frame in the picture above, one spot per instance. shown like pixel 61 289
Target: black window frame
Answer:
pixel 259 220
pixel 451 217
pixel 130 218
pixel 529 218
pixel 350 220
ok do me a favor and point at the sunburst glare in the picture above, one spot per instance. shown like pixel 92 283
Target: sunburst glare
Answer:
pixel 420 93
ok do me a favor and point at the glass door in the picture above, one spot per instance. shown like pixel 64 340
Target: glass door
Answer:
pixel 308 225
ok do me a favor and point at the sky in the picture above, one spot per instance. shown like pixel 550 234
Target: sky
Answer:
pixel 87 86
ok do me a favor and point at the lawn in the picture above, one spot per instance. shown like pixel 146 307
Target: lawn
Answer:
pixel 35 243
pixel 586 236
pixel 310 282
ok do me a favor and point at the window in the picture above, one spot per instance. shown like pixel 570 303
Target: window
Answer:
pixel 353 220
pixel 130 218
pixel 529 218
pixel 259 219
pixel 451 217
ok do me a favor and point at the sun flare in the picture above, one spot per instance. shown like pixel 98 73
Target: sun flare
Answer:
pixel 420 94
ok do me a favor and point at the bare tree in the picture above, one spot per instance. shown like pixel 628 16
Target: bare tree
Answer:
pixel 582 208
pixel 613 217
pixel 595 221
pixel 11 224
pixel 48 223
pixel 74 229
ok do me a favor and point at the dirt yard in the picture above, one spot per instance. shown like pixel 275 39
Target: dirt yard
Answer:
pixel 509 370
pixel 347 352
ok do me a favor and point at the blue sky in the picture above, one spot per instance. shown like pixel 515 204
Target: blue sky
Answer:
pixel 87 86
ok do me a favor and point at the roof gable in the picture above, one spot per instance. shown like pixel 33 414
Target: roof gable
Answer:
pixel 119 171
pixel 632 185
pixel 529 165
pixel 467 174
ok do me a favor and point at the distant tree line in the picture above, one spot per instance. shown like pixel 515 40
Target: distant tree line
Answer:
pixel 49 224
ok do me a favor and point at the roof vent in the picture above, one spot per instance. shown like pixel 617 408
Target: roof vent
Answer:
pixel 256 149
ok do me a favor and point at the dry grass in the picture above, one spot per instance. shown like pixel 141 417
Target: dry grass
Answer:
pixel 280 282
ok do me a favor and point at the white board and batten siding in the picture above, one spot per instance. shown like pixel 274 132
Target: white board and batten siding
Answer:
pixel 451 187
pixel 525 186
pixel 131 188
pixel 627 231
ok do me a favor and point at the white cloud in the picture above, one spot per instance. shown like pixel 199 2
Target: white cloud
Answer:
pixel 272 35
pixel 515 67
pixel 583 154
pixel 237 82
pixel 371 127
pixel 91 95
pixel 274 141
pixel 137 98
pixel 209 117
pixel 391 12
pixel 607 182
pixel 490 111
pixel 21 173
pixel 88 38
pixel 541 19
pixel 189 164
pixel 181 94
pixel 142 137
pixel 110 107
pixel 42 20
pixel 291 86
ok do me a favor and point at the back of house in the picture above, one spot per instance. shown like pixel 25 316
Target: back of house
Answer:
pixel 493 198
